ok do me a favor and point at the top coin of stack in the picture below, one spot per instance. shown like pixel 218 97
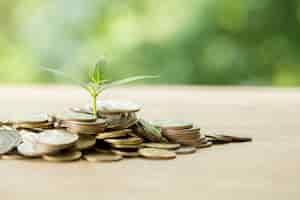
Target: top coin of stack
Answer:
pixel 42 121
pixel 109 107
pixel 183 133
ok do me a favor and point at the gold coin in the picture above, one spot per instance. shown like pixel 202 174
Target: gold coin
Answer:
pixel 126 153
pixel 102 157
pixel 12 157
pixel 126 146
pixel 127 141
pixel 152 153
pixel 113 134
pixel 65 156
pixel 85 142
pixel 161 145
pixel 186 150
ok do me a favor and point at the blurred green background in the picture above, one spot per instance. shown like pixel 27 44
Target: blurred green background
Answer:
pixel 212 42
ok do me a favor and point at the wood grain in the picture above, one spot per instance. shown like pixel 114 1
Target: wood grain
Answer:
pixel 267 168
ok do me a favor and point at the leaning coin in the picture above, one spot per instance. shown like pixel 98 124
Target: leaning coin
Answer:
pixel 102 157
pixel 237 139
pixel 85 142
pixel 9 139
pixel 175 125
pixel 57 138
pixel 161 145
pixel 65 156
pixel 113 134
pixel 186 150
pixel 160 154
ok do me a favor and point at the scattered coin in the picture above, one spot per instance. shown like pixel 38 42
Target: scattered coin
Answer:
pixel 102 157
pixel 237 139
pixel 65 156
pixel 161 145
pixel 12 156
pixel 186 150
pixel 159 154
pixel 9 139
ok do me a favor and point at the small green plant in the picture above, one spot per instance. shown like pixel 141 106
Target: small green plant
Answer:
pixel 97 84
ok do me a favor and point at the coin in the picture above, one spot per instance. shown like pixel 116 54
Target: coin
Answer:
pixel 58 138
pixel 72 116
pixel 65 156
pixel 204 145
pixel 31 119
pixel 112 106
pixel 9 139
pixel 85 142
pixel 90 128
pixel 12 156
pixel 218 139
pixel 127 141
pixel 102 157
pixel 126 153
pixel 176 125
pixel 146 130
pixel 126 146
pixel 161 145
pixel 160 154
pixel 113 134
pixel 237 139
pixel 31 148
pixel 186 150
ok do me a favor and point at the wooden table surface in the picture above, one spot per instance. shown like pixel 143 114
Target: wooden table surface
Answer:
pixel 267 168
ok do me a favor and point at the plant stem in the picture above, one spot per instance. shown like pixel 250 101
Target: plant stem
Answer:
pixel 95 105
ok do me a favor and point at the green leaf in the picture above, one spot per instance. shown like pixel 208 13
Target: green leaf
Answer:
pixel 97 75
pixel 64 75
pixel 127 80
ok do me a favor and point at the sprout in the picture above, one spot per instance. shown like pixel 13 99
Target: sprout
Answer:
pixel 97 84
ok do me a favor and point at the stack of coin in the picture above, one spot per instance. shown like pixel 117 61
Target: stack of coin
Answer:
pixel 80 123
pixel 183 133
pixel 38 121
pixel 118 114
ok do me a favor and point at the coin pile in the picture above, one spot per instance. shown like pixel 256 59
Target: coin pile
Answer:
pixel 116 133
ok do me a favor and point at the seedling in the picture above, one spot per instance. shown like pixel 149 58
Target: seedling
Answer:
pixel 97 84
